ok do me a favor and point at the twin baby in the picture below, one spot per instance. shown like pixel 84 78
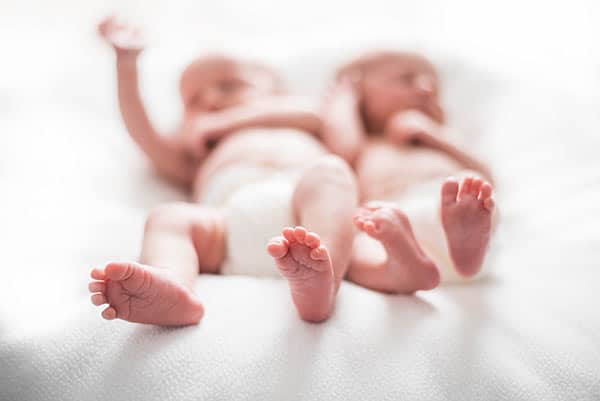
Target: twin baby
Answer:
pixel 367 188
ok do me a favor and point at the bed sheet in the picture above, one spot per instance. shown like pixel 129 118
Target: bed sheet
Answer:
pixel 76 193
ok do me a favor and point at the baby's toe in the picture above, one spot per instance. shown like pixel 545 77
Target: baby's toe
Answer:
pixel 278 247
pixel 288 234
pixel 98 273
pixel 359 222
pixel 476 186
pixel 312 240
pixel 370 228
pixel 319 253
pixel 120 270
pixel 465 188
pixel 300 234
pixel 449 191
pixel 489 204
pixel 109 313
pixel 97 286
pixel 99 299
pixel 486 191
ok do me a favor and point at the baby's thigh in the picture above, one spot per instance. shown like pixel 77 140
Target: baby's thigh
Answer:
pixel 176 230
pixel 181 217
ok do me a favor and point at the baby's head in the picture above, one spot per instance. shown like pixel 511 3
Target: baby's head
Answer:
pixel 391 82
pixel 213 83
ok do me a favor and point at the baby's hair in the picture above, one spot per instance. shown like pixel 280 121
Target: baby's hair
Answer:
pixel 277 84
pixel 357 68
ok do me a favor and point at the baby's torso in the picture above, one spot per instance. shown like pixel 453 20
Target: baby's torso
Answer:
pixel 385 169
pixel 276 148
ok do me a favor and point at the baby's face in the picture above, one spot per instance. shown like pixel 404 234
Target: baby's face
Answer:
pixel 399 85
pixel 214 85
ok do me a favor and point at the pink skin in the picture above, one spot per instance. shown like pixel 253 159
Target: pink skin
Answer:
pixel 220 95
pixel 143 294
pixel 393 85
pixel 306 264
pixel 407 268
pixel 222 98
pixel 187 239
pixel 315 264
pixel 467 212
pixel 396 97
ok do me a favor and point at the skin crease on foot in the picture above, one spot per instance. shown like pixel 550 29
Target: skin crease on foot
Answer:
pixel 409 267
pixel 384 115
pixel 236 113
pixel 225 102
pixel 143 294
pixel 466 212
pixel 306 264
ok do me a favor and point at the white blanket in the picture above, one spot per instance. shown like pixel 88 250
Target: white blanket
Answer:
pixel 75 192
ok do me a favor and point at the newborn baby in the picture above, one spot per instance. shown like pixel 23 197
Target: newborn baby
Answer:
pixel 247 152
pixel 383 115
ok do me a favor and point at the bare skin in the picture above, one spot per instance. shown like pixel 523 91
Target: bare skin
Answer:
pixel 232 112
pixel 407 267
pixel 466 214
pixel 383 116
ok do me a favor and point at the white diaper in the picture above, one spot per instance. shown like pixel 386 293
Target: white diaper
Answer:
pixel 421 203
pixel 257 204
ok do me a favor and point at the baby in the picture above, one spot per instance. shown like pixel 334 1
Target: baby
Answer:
pixel 247 152
pixel 384 117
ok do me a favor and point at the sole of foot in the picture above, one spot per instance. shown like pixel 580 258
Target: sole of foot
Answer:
pixel 307 266
pixel 143 294
pixel 466 210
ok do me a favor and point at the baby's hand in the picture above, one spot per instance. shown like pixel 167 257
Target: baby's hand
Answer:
pixel 410 127
pixel 124 38
pixel 203 133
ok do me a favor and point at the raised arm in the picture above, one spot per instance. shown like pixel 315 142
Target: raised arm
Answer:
pixel 415 127
pixel 167 153
pixel 343 131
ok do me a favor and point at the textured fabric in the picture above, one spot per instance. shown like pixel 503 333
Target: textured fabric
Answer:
pixel 74 193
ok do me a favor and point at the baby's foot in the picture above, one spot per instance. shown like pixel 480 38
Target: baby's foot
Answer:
pixel 410 269
pixel 306 264
pixel 144 294
pixel 467 221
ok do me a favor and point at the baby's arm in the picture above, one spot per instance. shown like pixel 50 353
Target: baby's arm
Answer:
pixel 166 153
pixel 273 112
pixel 415 127
pixel 343 132
pixel 279 111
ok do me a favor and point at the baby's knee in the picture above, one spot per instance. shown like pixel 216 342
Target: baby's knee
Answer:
pixel 333 167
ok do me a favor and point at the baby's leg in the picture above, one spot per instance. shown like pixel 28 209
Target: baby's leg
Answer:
pixel 468 221
pixel 314 263
pixel 180 240
pixel 387 257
